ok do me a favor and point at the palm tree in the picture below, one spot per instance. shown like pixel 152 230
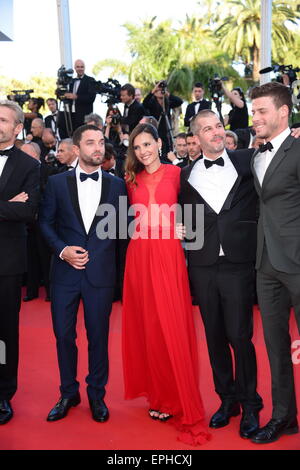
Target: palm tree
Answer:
pixel 240 30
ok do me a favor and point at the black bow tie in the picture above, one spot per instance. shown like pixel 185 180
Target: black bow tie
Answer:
pixel 265 147
pixel 5 153
pixel 112 171
pixel 209 163
pixel 85 176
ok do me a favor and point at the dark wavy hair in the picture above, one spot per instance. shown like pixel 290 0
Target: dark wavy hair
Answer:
pixel 132 165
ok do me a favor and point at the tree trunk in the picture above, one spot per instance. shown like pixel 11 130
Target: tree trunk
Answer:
pixel 255 63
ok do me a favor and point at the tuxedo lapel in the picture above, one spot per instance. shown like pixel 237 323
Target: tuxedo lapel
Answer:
pixel 277 159
pixel 256 180
pixel 8 169
pixel 187 174
pixel 72 185
pixel 228 201
pixel 104 198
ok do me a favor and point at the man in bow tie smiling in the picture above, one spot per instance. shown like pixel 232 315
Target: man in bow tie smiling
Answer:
pixel 222 271
pixel 83 267
pixel 276 169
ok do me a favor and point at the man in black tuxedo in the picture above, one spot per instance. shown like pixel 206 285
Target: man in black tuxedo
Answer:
pixel 197 105
pixel 133 110
pixel 81 96
pixel 276 168
pixel 222 271
pixel 19 191
pixel 51 120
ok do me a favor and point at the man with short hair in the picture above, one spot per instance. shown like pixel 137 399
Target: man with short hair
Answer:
pixel 81 96
pixel 193 147
pixel 133 110
pixel 66 154
pixel 222 271
pixel 180 156
pixel 94 120
pixel 276 169
pixel 231 140
pixel 51 120
pixel 197 105
pixel 32 149
pixel 83 266
pixel 19 194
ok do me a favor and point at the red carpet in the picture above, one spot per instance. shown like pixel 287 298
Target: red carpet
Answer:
pixel 129 426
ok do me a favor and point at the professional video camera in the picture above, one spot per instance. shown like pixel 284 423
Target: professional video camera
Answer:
pixel 111 88
pixel 64 78
pixel 288 70
pixel 20 96
pixel 215 87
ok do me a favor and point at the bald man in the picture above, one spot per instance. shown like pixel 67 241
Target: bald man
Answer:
pixel 81 98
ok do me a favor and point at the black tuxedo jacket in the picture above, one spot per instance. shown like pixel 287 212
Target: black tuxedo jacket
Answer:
pixel 236 224
pixel 279 221
pixel 244 136
pixel 85 96
pixel 20 173
pixel 190 110
pixel 135 113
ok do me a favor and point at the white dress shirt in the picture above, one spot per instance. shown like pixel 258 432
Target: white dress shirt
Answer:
pixel 214 183
pixel 89 194
pixel 263 160
pixel 3 159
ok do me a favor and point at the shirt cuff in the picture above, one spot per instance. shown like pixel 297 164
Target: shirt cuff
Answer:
pixel 60 254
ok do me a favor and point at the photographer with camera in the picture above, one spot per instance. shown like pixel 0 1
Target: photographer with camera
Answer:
pixel 34 105
pixel 79 100
pixel 158 103
pixel 133 110
pixel 238 116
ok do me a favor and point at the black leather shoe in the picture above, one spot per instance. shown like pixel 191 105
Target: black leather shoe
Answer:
pixel 249 424
pixel 6 411
pixel 28 298
pixel 99 410
pixel 225 412
pixel 274 429
pixel 62 407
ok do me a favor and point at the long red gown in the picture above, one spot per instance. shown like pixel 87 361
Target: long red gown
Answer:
pixel 160 359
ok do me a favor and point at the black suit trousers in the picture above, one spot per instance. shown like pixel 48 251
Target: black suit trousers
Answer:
pixel 10 302
pixel 276 292
pixel 224 292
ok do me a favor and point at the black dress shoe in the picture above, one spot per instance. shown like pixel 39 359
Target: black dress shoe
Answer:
pixel 62 407
pixel 274 429
pixel 29 297
pixel 6 411
pixel 99 410
pixel 249 424
pixel 225 412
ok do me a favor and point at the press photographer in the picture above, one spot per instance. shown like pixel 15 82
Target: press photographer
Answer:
pixel 238 116
pixel 78 99
pixel 159 103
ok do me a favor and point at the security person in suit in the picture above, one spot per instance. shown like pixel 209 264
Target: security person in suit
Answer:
pixel 197 105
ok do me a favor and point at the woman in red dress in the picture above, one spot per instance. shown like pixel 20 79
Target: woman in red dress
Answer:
pixel 159 342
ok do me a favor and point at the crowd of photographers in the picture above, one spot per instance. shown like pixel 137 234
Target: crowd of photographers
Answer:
pixel 49 140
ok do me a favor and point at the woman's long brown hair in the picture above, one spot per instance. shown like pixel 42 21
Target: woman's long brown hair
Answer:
pixel 132 165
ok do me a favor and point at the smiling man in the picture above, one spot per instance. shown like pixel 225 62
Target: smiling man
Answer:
pixel 276 167
pixel 222 271
pixel 83 267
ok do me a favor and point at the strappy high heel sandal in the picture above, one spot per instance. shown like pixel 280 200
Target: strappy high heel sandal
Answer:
pixel 154 414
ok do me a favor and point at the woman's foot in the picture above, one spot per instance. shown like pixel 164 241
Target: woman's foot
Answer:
pixel 164 416
pixel 154 414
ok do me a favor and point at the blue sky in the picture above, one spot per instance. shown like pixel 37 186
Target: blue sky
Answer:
pixel 96 29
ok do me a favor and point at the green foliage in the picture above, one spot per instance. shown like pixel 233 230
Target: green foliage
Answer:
pixel 42 86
